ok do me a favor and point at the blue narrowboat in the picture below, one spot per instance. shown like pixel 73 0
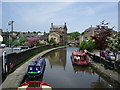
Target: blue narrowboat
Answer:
pixel 36 68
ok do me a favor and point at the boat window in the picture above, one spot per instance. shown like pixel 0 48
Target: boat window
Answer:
pixel 78 57
pixel 75 57
pixel 85 57
pixel 37 68
pixel 30 68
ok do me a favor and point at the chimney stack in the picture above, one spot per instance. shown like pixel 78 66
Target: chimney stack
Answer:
pixel 51 24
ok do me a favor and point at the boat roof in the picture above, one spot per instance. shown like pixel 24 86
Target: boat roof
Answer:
pixel 77 53
pixel 37 62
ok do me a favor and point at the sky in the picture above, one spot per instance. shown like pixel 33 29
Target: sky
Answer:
pixel 38 16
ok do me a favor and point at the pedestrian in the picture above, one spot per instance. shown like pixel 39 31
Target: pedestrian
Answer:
pixel 85 51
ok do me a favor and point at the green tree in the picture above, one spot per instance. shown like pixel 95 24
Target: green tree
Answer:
pixel 52 41
pixel 16 42
pixel 74 35
pixel 22 40
pixel 88 45
pixel 114 44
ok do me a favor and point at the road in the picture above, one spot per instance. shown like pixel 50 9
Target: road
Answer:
pixel 96 52
pixel 9 50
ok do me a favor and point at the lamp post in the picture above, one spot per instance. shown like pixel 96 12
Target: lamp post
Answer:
pixel 10 23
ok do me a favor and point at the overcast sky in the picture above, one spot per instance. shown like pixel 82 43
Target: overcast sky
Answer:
pixel 37 16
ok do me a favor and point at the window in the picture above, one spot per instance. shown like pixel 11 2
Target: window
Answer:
pixel 37 68
pixel 30 68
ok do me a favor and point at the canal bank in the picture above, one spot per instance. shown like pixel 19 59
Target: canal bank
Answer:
pixel 112 76
pixel 98 64
pixel 14 79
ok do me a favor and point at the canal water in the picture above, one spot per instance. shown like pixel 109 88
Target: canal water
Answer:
pixel 60 73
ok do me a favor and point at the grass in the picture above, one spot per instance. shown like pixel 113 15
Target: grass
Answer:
pixel 17 66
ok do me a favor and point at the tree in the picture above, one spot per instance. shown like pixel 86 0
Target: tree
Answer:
pixel 101 39
pixel 16 42
pixel 32 41
pixel 114 44
pixel 22 40
pixel 34 32
pixel 74 35
pixel 88 45
pixel 52 41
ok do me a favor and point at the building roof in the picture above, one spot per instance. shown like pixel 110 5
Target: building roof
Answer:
pixel 44 37
pixel 58 26
pixel 90 29
pixel 94 29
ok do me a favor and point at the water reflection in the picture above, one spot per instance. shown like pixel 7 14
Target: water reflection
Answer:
pixel 85 69
pixel 100 83
pixel 58 58
pixel 60 72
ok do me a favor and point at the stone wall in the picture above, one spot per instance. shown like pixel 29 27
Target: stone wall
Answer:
pixel 114 65
pixel 16 58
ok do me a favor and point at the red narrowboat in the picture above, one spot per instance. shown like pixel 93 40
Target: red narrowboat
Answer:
pixel 79 58
pixel 34 85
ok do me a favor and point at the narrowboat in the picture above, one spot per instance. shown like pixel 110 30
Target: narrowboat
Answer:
pixel 35 85
pixel 79 58
pixel 36 68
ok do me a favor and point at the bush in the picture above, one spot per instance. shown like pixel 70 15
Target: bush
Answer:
pixel 52 41
pixel 88 45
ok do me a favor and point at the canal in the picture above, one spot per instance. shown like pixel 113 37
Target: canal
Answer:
pixel 60 73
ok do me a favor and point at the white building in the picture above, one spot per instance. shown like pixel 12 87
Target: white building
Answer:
pixel 1 38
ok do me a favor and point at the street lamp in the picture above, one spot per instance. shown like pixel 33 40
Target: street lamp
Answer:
pixel 11 23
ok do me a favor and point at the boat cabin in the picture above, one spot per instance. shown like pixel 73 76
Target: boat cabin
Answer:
pixel 79 58
pixel 36 68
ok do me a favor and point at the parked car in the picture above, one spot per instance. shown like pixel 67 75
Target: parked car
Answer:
pixel 24 47
pixel 110 57
pixel 17 48
pixel 2 45
pixel 104 53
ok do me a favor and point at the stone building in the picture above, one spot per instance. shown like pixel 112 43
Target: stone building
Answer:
pixel 91 31
pixel 58 33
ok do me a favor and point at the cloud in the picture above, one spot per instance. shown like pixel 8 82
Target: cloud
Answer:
pixel 91 10
pixel 60 0
pixel 38 16
pixel 33 15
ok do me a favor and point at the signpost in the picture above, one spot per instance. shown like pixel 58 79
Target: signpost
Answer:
pixel 4 62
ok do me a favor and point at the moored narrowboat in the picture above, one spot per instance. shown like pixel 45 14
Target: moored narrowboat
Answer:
pixel 34 85
pixel 36 68
pixel 79 58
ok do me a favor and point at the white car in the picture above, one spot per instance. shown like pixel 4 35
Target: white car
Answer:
pixel 17 48
pixel 2 45
pixel 110 57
